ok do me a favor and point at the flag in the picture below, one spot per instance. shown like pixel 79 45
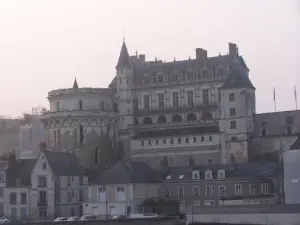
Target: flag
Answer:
pixel 295 93
pixel 274 97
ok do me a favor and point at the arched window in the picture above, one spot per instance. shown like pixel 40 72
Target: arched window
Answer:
pixel 147 120
pixel 206 116
pixel 191 117
pixel 80 104
pixel 160 79
pixel 116 107
pixel 176 118
pixel 289 130
pixel 263 132
pixel 54 137
pixel 81 135
pixel 136 121
pixel 96 155
pixel 161 119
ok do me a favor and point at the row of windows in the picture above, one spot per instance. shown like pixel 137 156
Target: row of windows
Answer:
pixel 80 105
pixel 57 136
pixel 119 194
pixel 182 75
pixel 178 140
pixel 13 198
pixel 176 99
pixel 264 131
pixel 238 191
pixel 176 118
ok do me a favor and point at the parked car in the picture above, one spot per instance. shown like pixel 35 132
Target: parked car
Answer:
pixel 74 218
pixel 119 217
pixel 3 219
pixel 59 219
pixel 88 217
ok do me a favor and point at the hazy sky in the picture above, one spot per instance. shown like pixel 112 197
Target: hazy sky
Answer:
pixel 44 44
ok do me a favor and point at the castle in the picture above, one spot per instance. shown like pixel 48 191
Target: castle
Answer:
pixel 201 108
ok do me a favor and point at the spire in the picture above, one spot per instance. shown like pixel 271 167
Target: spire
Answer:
pixel 75 84
pixel 124 60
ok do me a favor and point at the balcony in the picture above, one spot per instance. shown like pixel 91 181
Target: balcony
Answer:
pixel 179 109
pixel 68 113
pixel 43 202
pixel 196 123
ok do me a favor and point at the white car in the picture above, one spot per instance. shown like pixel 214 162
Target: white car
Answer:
pixel 3 219
pixel 74 218
pixel 119 217
pixel 88 217
pixel 59 219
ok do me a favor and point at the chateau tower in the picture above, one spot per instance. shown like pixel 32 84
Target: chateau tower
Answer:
pixel 125 94
pixel 237 111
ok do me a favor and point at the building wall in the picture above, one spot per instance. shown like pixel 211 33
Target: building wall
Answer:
pixel 31 135
pixel 202 199
pixel 135 194
pixel 235 139
pixel 183 141
pixel 2 190
pixel 291 169
pixel 68 196
pixel 180 157
pixel 145 191
pixel 250 218
pixel 112 206
pixel 68 99
pixel 38 171
pixel 19 210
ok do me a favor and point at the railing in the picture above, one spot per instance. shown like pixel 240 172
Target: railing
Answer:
pixel 178 109
pixel 174 124
pixel 65 113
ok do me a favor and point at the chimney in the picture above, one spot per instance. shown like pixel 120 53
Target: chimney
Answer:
pixel 142 58
pixel 233 49
pixel 12 161
pixel 201 54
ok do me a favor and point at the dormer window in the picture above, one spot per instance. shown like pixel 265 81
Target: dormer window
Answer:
pixel 195 175
pixel 180 177
pixel 168 177
pixel 221 174
pixel 289 130
pixel 208 174
pixel 264 132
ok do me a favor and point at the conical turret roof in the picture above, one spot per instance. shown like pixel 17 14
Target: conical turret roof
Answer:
pixel 75 84
pixel 124 60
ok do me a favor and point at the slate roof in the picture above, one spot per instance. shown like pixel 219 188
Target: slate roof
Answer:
pixel 237 80
pixel 64 164
pixel 176 132
pixel 244 170
pixel 182 64
pixel 21 170
pixel 120 173
pixel 296 144
pixel 75 84
pixel 124 59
